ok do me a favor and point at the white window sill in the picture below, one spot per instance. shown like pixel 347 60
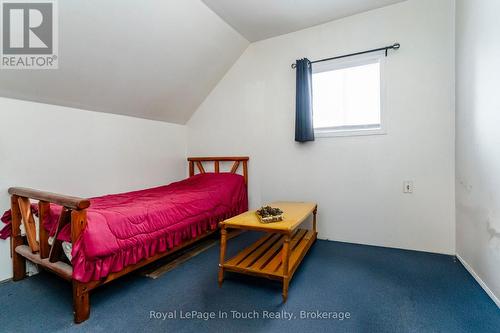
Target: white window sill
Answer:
pixel 326 133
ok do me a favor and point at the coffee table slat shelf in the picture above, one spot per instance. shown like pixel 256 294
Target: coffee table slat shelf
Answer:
pixel 276 255
pixel 268 262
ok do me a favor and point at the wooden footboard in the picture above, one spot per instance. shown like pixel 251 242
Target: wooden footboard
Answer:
pixel 74 212
pixel 38 251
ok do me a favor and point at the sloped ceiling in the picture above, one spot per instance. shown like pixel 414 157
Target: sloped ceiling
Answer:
pixel 155 59
pixel 261 19
pixel 159 59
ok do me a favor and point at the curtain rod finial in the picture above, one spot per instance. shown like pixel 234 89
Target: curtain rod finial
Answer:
pixel 396 46
pixel 294 65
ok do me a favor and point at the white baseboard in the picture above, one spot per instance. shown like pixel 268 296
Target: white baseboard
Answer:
pixel 478 279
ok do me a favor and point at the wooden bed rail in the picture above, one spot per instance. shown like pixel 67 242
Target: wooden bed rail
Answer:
pixel 198 161
pixel 58 199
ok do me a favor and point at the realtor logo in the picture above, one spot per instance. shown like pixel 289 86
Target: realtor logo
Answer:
pixel 29 34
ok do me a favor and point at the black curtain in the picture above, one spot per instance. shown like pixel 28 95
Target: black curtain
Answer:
pixel 304 130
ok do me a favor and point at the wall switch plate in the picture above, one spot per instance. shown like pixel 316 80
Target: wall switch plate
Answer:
pixel 408 186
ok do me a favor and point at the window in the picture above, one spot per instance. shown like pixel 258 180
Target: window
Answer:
pixel 347 97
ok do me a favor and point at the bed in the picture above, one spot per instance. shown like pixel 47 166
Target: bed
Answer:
pixel 115 234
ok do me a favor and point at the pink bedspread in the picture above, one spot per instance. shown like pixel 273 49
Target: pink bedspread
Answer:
pixel 124 228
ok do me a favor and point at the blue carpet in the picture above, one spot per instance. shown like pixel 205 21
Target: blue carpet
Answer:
pixel 383 290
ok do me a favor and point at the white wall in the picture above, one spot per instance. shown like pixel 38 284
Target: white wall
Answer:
pixel 357 181
pixel 478 140
pixel 82 153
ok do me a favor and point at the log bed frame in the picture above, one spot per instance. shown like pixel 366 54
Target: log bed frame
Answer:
pixel 74 212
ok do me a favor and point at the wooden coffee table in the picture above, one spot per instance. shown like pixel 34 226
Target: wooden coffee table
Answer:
pixel 276 255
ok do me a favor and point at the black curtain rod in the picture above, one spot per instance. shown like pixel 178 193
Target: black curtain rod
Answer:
pixel 395 46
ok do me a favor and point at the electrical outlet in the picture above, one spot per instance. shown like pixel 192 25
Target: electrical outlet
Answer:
pixel 408 186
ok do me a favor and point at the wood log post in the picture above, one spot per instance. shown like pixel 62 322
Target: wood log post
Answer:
pixel 28 222
pixel 81 302
pixel 285 261
pixel 43 215
pixel 18 261
pixel 236 164
pixel 191 168
pixel 199 164
pixel 223 243
pixel 245 171
pixel 81 297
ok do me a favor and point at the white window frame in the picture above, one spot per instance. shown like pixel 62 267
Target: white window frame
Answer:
pixel 360 60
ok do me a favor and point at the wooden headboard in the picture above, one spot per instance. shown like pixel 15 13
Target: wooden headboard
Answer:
pixel 237 160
